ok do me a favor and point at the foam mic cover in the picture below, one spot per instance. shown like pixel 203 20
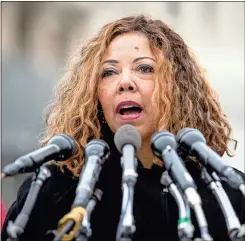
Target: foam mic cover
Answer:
pixel 127 134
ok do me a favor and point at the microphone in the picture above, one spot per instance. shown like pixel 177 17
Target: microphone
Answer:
pixel 96 153
pixel 59 148
pixel 163 142
pixel 164 146
pixel 128 141
pixel 191 141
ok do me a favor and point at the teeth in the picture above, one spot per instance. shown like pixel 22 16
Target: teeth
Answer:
pixel 127 106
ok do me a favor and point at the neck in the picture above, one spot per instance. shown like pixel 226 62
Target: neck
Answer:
pixel 145 154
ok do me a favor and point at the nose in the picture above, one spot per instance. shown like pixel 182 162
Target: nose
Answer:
pixel 127 83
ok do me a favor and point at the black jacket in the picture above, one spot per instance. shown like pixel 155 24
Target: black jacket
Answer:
pixel 155 211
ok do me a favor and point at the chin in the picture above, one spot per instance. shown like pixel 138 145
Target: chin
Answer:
pixel 140 127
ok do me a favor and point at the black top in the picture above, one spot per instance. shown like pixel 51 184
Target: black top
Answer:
pixel 155 211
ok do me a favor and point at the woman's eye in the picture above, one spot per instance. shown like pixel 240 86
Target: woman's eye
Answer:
pixel 145 69
pixel 108 72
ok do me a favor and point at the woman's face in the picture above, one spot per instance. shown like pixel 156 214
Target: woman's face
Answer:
pixel 127 83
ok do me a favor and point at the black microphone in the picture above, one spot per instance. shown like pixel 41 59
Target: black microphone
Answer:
pixel 128 141
pixel 96 153
pixel 191 141
pixel 59 148
pixel 160 142
pixel 164 146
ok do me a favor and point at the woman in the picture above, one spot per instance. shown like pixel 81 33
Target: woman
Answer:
pixel 135 71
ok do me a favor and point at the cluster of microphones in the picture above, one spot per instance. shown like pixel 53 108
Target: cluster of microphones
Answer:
pixel 75 225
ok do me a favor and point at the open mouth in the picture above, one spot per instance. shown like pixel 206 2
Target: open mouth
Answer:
pixel 130 110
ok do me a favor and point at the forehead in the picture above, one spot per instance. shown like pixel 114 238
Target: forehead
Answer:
pixel 129 43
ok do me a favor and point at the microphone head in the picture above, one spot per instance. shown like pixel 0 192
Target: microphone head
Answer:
pixel 66 144
pixel 99 148
pixel 187 137
pixel 127 134
pixel 160 140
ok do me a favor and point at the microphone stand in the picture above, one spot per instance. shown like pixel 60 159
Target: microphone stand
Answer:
pixel 126 227
pixel 170 157
pixel 185 227
pixel 85 231
pixel 16 228
pixel 235 230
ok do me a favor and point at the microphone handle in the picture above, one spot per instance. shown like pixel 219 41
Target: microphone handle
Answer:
pixel 88 178
pixel 128 154
pixel 17 228
pixel 211 159
pixel 208 156
pixel 177 169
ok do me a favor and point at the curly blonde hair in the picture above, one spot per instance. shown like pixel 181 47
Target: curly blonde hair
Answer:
pixel 182 94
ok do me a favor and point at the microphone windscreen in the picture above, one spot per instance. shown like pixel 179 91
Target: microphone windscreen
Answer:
pixel 127 134
pixel 188 136
pixel 66 143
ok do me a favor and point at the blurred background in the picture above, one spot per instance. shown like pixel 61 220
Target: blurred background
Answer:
pixel 38 37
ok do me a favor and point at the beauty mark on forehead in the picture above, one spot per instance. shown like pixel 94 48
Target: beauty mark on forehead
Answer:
pixel 137 48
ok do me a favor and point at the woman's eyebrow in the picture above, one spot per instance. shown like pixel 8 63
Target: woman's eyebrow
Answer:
pixel 111 61
pixel 140 58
